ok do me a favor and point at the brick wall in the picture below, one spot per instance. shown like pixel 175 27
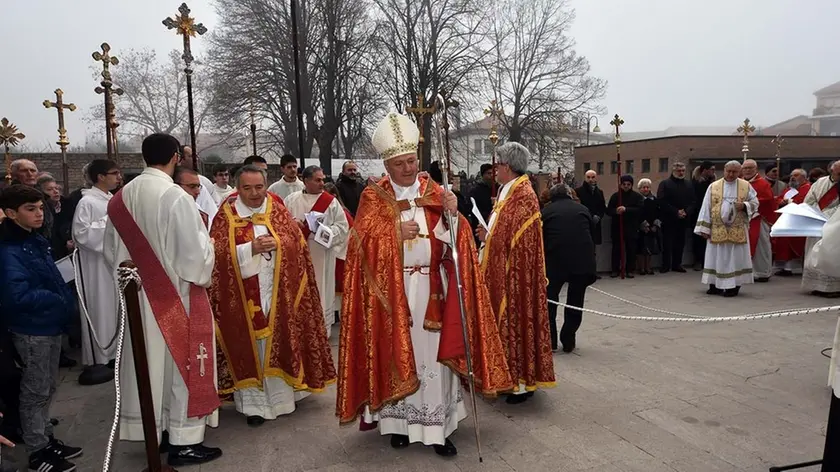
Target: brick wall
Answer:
pixel 813 150
pixel 51 162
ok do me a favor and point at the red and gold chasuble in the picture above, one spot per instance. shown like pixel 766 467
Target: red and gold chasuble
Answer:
pixel 514 268
pixel 298 350
pixel 376 357
pixel 767 207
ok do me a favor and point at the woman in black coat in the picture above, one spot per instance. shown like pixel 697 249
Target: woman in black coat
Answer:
pixel 650 231
pixel 569 258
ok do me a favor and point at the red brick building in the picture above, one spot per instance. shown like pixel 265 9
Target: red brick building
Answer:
pixel 652 158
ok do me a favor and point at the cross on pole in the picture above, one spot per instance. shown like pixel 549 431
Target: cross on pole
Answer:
pixel 779 142
pixel 62 142
pixel 616 123
pixel 107 89
pixel 495 114
pixel 9 136
pixel 420 111
pixel 185 25
pixel 746 129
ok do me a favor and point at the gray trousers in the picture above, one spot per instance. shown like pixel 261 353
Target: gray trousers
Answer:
pixel 37 387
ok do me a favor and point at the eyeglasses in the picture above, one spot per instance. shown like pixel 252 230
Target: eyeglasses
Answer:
pixel 190 186
pixel 114 172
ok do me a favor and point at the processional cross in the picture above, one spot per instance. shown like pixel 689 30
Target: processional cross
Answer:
pixel 495 114
pixel 779 142
pixel 62 142
pixel 617 121
pixel 9 136
pixel 746 129
pixel 420 111
pixel 107 89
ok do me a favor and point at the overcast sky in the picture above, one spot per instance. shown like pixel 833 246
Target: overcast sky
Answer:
pixel 668 62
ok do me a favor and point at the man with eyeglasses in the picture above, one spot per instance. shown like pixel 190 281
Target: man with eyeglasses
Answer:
pixel 222 177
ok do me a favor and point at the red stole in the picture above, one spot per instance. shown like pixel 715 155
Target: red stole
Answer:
pixel 321 204
pixel 251 285
pixel 189 337
pixel 829 196
pixel 767 207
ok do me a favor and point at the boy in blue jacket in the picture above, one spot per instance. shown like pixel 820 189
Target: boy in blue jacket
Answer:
pixel 37 305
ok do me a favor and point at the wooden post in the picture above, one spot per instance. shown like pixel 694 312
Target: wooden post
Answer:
pixel 141 368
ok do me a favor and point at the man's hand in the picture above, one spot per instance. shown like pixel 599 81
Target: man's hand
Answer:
pixel 681 214
pixel 263 244
pixel 705 235
pixel 450 202
pixel 409 230
pixel 740 206
pixel 620 210
pixel 783 203
pixel 6 442
pixel 481 233
pixel 70 245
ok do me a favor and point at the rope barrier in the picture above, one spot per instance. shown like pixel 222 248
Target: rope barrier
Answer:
pixel 124 277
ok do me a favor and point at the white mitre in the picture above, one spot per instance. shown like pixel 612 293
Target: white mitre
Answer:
pixel 395 136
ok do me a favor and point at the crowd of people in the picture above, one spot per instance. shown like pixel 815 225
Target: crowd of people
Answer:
pixel 243 283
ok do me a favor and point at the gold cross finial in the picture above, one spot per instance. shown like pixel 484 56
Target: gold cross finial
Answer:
pixel 186 26
pixel 9 136
pixel 779 142
pixel 494 113
pixel 617 122
pixel 59 105
pixel 106 59
pixel 746 128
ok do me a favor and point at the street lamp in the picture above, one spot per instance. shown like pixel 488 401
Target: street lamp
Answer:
pixel 596 129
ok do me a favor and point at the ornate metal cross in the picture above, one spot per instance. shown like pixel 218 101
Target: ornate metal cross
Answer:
pixel 186 27
pixel 62 142
pixel 202 356
pixel 494 113
pixel 779 142
pixel 617 122
pixel 107 89
pixel 9 136
pixel 746 129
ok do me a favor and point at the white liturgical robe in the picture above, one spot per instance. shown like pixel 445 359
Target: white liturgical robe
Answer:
pixel 825 258
pixel 727 265
pixel 323 259
pixel 96 279
pixel 432 413
pixel 207 198
pixel 170 222
pixel 283 189
pixel 814 279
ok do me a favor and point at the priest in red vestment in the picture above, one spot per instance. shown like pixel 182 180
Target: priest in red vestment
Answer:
pixel 790 252
pixel 272 342
pixel 513 263
pixel 402 348
pixel 761 247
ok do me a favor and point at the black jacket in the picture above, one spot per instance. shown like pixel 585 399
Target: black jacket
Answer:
pixel 633 202
pixel 483 195
pixel 62 229
pixel 675 194
pixel 569 250
pixel 593 200
pixel 349 192
pixel 699 187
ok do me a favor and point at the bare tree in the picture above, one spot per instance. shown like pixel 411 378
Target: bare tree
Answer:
pixel 537 76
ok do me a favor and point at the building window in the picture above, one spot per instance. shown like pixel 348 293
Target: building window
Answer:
pixel 478 146
pixel 630 167
pixel 645 166
pixel 587 166
pixel 613 167
pixel 600 168
pixel 663 164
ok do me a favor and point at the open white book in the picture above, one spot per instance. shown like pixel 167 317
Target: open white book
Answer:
pixel 478 216
pixel 313 219
pixel 324 236
pixel 798 220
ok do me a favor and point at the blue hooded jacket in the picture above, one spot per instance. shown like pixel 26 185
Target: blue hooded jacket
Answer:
pixel 34 299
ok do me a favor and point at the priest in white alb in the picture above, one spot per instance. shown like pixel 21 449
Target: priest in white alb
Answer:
pixel 96 279
pixel 325 244
pixel 724 222
pixel 155 224
pixel 273 344
pixel 824 194
pixel 289 183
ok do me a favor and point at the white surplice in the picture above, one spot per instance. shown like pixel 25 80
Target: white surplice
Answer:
pixel 323 259
pixel 763 258
pixel 207 199
pixel 814 279
pixel 97 279
pixel 432 413
pixel 168 218
pixel 727 265
pixel 283 189
pixel 222 193
pixel 276 398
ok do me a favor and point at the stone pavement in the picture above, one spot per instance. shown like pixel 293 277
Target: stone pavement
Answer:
pixel 635 396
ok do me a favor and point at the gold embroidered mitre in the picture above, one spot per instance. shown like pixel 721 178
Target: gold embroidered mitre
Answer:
pixel 395 136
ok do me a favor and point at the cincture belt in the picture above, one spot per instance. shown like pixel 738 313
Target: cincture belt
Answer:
pixel 424 270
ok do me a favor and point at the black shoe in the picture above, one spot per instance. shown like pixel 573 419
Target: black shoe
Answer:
pixel 65 362
pixel 61 450
pixel 762 279
pixel 45 460
pixel 96 375
pixel 732 292
pixel 568 345
pixel 597 277
pixel 664 271
pixel 255 421
pixel 679 269
pixel 112 363
pixel 517 399
pixel 613 275
pixel 714 291
pixel 399 441
pixel 446 450
pixel 192 455
pixel 163 448
pixel 630 276
pixel 784 273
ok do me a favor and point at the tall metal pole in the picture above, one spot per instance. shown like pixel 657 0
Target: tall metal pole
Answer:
pixel 779 142
pixel 494 112
pixel 617 122
pixel 293 7
pixel 746 129
pixel 62 142
pixel 253 129
pixel 186 26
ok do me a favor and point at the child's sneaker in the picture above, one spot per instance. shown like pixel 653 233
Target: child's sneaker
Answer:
pixel 59 449
pixel 46 461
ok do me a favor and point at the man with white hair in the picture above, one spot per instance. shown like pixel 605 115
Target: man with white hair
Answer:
pixel 825 195
pixel 402 348
pixel 724 221
pixel 789 252
pixel 513 262
pixel 760 244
